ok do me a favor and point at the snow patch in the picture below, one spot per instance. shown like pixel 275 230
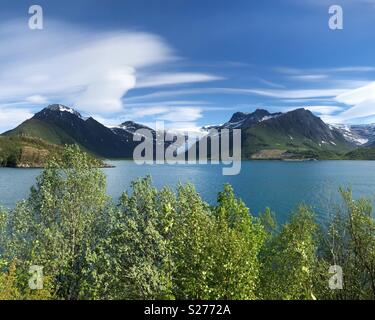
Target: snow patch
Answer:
pixel 61 108
pixel 349 134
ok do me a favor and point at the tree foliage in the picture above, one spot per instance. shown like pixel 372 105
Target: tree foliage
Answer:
pixel 56 227
pixel 170 244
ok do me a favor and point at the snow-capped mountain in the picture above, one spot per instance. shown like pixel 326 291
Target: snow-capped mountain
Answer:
pixel 58 124
pixel 360 134
pixel 130 126
pixel 241 120
pixel 61 108
pixel 127 130
pixel 297 131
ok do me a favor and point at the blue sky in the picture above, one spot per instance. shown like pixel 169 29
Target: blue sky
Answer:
pixel 187 62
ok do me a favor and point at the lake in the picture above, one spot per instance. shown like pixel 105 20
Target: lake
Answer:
pixel 279 185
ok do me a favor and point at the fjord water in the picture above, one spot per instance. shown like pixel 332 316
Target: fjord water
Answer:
pixel 279 185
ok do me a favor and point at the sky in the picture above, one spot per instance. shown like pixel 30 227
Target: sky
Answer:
pixel 187 62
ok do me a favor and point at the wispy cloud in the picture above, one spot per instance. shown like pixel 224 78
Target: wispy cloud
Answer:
pixel 310 77
pixel 324 110
pixel 175 79
pixel 323 71
pixel 273 93
pixel 297 94
pixel 174 117
pixel 361 100
pixel 11 117
pixel 89 70
pixel 36 99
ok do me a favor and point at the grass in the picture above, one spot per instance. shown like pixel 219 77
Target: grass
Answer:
pixel 22 151
pixel 42 130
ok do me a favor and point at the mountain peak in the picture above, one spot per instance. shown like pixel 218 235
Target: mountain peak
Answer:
pixel 132 126
pixel 62 108
pixel 245 120
pixel 256 115
pixel 238 116
pixel 301 111
pixel 261 112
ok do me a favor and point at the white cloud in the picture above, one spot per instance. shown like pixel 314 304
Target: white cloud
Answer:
pixel 12 117
pixel 109 121
pixel 353 68
pixel 358 95
pixel 183 114
pixel 37 99
pixel 361 100
pixel 356 104
pixel 280 94
pixel 88 70
pixel 137 113
pixel 179 127
pixel 171 103
pixel 324 71
pixel 173 116
pixel 363 109
pixel 167 113
pixel 324 110
pixel 310 77
pixel 298 94
pixel 93 74
pixel 175 78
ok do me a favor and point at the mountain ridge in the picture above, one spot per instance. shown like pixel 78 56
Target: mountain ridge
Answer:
pixel 291 135
pixel 62 125
pixel 294 134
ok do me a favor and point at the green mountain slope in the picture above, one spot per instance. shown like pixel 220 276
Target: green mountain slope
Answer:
pixel 365 153
pixel 261 137
pixel 61 125
pixel 43 130
pixel 25 151
pixel 296 134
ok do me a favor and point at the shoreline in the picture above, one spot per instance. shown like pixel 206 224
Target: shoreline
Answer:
pixel 110 166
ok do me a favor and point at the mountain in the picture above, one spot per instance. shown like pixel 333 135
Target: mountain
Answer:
pixel 299 133
pixel 241 120
pixel 294 134
pixel 366 132
pixel 127 130
pixel 60 125
pixel 359 134
pixel 129 127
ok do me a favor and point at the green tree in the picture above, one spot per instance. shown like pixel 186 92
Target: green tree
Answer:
pixel 350 243
pixel 192 233
pixel 57 226
pixel 289 259
pixel 12 286
pixel 134 260
pixel 167 244
pixel 237 240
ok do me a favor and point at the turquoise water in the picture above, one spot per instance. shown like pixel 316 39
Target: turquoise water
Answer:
pixel 275 184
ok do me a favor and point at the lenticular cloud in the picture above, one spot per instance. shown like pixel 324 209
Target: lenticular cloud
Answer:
pixel 80 67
